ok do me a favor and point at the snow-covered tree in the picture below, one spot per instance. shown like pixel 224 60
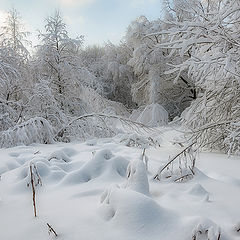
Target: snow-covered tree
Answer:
pixel 58 60
pixel 208 32
pixel 14 81
pixel 149 61
pixel 119 74
pixel 14 35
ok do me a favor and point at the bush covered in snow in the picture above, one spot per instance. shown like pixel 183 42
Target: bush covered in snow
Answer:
pixel 35 130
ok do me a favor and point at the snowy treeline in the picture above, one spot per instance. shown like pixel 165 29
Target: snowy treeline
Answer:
pixel 184 64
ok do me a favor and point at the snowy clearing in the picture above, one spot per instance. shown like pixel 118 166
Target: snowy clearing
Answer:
pixel 85 194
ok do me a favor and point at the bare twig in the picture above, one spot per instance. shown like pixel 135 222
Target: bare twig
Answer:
pixel 173 159
pixel 125 121
pixel 51 230
pixel 33 191
pixel 182 177
pixel 35 180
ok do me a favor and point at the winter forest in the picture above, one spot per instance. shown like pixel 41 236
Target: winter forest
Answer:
pixel 138 140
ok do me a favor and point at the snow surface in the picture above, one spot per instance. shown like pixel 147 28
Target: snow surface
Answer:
pixel 101 189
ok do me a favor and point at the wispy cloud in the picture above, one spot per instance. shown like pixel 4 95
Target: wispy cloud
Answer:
pixel 71 3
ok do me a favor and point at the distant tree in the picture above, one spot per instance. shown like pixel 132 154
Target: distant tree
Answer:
pixel 14 65
pixel 14 34
pixel 119 74
pixel 58 60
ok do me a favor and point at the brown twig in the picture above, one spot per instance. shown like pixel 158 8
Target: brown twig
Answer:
pixel 35 180
pixel 33 191
pixel 50 229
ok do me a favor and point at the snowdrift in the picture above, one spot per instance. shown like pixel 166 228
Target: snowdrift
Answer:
pixel 76 175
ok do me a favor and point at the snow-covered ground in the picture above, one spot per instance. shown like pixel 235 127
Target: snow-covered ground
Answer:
pixel 85 194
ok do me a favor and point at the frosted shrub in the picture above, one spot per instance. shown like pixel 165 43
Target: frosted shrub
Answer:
pixel 35 130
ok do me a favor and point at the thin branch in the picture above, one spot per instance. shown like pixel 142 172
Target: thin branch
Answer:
pixel 174 158
pixel 50 229
pixel 100 115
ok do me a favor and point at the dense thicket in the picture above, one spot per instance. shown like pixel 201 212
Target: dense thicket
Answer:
pixel 184 64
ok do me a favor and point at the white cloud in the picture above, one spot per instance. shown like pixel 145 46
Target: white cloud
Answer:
pixel 71 3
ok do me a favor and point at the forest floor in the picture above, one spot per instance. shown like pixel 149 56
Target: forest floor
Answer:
pixel 75 175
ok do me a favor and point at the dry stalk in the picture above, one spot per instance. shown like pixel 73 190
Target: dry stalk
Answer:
pixel 51 230
pixel 37 152
pixel 180 179
pixel 33 192
pixel 35 180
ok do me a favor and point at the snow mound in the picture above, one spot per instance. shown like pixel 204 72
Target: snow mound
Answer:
pixel 49 172
pixel 206 229
pixel 91 142
pixel 197 190
pixel 140 141
pixel 60 155
pixel 137 179
pixel 153 115
pixel 70 152
pixel 136 214
pixel 103 165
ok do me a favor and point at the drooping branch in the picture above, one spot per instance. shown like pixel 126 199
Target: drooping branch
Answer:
pixel 183 152
pixel 124 121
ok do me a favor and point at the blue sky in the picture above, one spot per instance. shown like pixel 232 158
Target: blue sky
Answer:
pixel 98 20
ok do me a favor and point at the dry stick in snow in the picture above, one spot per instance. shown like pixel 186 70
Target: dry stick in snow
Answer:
pixel 33 191
pixel 37 152
pixel 35 179
pixel 50 229
pixel 143 154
